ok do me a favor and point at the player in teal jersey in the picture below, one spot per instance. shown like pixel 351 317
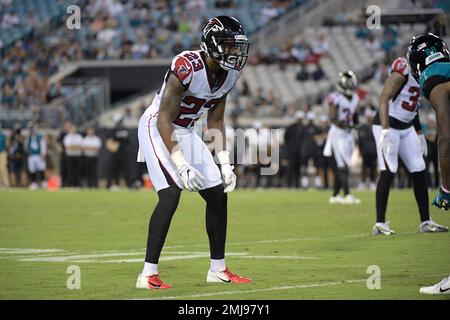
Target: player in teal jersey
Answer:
pixel 429 59
pixel 36 150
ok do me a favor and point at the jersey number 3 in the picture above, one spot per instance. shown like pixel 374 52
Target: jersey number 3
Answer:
pixel 411 105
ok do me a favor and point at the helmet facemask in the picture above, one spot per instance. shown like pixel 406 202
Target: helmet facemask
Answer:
pixel 230 54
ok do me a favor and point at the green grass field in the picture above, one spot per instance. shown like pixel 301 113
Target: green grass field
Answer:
pixel 293 244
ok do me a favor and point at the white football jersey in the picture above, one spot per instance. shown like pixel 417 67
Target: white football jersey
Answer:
pixel 404 106
pixel 346 107
pixel 191 69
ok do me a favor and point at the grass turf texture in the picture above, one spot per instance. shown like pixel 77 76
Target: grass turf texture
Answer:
pixel 301 224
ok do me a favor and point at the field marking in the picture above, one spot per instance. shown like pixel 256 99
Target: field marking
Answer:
pixel 27 250
pixel 278 257
pixel 167 256
pixel 211 294
pixel 300 286
pixel 360 235
pixel 91 257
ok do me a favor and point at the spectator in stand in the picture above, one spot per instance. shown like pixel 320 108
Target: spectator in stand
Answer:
pixel 372 43
pixel 10 20
pixel 268 13
pixel 381 72
pixel 317 73
pixel 17 158
pixel 300 50
pixel 224 4
pixel 73 143
pixel 91 148
pixel 389 39
pixel 141 48
pixel 4 179
pixel 320 46
pixel 362 32
pixel 302 74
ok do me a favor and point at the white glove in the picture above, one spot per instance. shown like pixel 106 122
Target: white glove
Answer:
pixel 191 177
pixel 386 142
pixel 228 176
pixel 423 144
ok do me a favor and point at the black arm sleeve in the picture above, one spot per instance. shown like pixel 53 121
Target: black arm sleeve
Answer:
pixel 416 122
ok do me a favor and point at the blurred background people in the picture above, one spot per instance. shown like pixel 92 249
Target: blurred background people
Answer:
pixel 117 144
pixel 4 179
pixel 63 156
pixel 293 139
pixel 91 147
pixel 17 158
pixel 368 150
pixel 73 142
pixel 36 150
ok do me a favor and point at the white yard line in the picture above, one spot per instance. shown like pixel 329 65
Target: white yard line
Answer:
pixel 90 258
pixel 211 294
pixel 360 235
pixel 236 255
pixel 278 257
pixel 45 255
pixel 301 286
pixel 27 251
pixel 84 256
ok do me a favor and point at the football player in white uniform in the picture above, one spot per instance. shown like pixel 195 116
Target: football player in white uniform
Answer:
pixel 343 105
pixel 397 132
pixel 177 158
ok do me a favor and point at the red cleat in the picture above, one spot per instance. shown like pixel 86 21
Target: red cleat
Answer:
pixel 151 282
pixel 226 276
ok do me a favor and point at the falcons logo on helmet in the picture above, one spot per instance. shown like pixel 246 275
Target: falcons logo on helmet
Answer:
pixel 213 24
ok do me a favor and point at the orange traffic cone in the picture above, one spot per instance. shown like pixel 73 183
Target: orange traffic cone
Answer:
pixel 53 183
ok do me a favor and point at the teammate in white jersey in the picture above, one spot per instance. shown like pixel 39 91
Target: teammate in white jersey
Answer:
pixel 343 105
pixel 177 159
pixel 397 132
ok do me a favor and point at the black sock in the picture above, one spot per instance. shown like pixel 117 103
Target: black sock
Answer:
pixel 382 194
pixel 33 177
pixel 421 194
pixel 160 222
pixel 337 180
pixel 343 177
pixel 216 220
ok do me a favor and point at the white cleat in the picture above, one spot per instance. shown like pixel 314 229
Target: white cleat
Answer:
pixel 225 276
pixel 151 281
pixel 336 199
pixel 33 186
pixel 351 199
pixel 431 226
pixel 382 228
pixel 442 287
